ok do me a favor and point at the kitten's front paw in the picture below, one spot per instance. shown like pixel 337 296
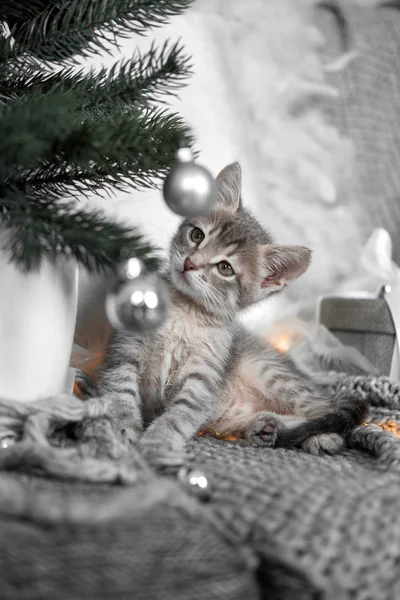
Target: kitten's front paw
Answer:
pixel 325 443
pixel 126 423
pixel 162 457
pixel 264 430
pixel 128 434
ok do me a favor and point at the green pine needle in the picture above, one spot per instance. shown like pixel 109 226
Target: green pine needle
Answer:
pixel 144 78
pixel 47 231
pixel 82 27
pixel 123 151
pixel 65 133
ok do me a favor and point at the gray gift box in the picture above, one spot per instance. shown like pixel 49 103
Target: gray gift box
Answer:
pixel 365 324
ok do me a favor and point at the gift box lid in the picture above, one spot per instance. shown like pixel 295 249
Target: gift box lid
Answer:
pixel 356 314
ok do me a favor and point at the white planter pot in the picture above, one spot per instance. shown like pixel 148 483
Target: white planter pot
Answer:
pixel 37 323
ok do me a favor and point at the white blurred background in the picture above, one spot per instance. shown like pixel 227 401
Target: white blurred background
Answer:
pixel 268 91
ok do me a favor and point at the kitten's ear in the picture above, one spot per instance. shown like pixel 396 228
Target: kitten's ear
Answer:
pixel 280 265
pixel 229 186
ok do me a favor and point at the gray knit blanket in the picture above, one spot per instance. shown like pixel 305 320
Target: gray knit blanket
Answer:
pixel 280 524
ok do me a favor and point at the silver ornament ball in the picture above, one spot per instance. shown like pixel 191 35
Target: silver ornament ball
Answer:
pixel 196 482
pixel 189 189
pixel 130 268
pixel 139 304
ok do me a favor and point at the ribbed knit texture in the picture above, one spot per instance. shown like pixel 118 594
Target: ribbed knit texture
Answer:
pixel 280 524
pixel 368 112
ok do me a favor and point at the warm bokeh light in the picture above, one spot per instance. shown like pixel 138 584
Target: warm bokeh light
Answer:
pixel 281 342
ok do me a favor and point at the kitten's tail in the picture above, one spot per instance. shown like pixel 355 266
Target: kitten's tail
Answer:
pixel 348 412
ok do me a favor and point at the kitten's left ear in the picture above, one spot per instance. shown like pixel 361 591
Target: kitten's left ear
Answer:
pixel 281 265
pixel 229 187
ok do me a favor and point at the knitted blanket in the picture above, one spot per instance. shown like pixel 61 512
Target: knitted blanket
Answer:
pixel 279 524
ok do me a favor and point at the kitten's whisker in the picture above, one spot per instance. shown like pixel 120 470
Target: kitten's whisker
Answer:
pixel 210 296
pixel 214 294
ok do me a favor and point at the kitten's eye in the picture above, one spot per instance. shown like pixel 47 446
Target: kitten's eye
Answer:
pixel 197 235
pixel 225 268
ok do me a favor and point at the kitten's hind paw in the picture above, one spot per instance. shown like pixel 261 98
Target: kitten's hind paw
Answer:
pixel 325 443
pixel 264 430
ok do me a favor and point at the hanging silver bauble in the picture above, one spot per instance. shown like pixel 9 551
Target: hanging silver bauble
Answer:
pixel 130 269
pixel 140 301
pixel 196 482
pixel 189 189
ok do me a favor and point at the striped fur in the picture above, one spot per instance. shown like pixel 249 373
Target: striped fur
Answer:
pixel 201 369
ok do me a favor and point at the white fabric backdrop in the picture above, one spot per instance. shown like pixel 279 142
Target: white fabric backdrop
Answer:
pixel 255 97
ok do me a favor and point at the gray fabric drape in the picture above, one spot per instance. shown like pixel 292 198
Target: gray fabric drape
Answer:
pixel 280 524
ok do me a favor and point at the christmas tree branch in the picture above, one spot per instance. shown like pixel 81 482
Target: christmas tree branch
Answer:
pixel 31 129
pixel 84 156
pixel 65 133
pixel 144 78
pixel 128 152
pixel 84 26
pixel 39 230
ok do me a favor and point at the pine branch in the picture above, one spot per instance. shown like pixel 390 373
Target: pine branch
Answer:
pixel 31 129
pixel 24 10
pixel 47 152
pixel 48 230
pixel 85 26
pixel 144 78
pixel 67 133
pixel 131 151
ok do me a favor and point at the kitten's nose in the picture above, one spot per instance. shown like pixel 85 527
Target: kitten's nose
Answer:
pixel 189 266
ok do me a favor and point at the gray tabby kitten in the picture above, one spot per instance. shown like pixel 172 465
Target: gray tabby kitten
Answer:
pixel 202 369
